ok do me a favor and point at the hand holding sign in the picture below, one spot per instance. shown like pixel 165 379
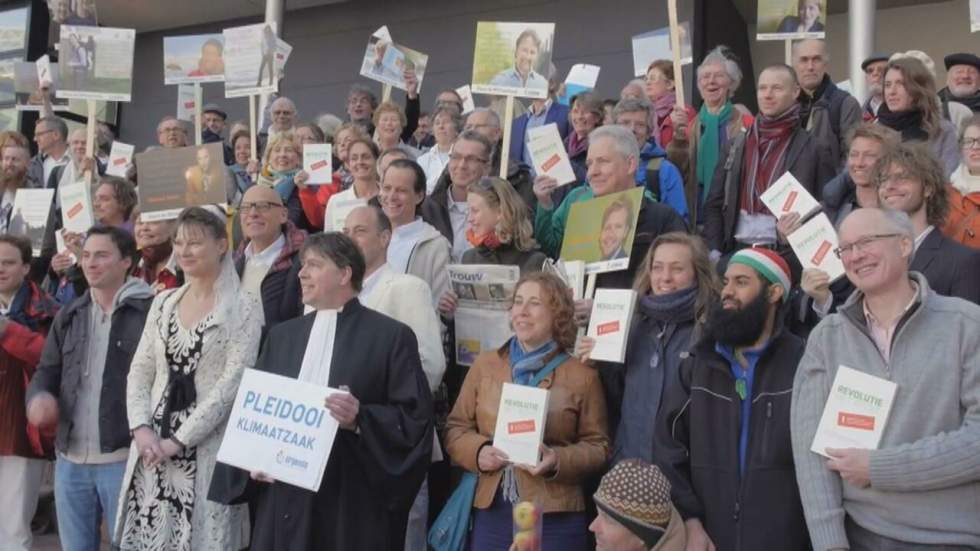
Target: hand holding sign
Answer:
pixel 343 407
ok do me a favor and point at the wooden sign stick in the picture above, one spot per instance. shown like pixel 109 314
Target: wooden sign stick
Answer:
pixel 386 92
pixel 90 138
pixel 789 52
pixel 251 127
pixel 198 123
pixel 675 48
pixel 505 147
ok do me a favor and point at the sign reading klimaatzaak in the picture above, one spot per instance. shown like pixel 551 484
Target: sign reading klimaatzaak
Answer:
pixel 280 427
pixel 482 319
pixel 512 59
pixel 96 63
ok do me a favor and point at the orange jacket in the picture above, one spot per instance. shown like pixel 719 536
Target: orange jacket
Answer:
pixel 963 222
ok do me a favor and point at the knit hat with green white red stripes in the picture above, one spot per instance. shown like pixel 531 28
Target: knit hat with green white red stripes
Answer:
pixel 768 263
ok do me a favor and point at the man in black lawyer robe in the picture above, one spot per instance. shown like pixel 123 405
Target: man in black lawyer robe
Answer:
pixel 382 449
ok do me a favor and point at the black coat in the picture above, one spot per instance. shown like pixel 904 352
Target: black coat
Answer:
pixel 281 297
pixel 952 269
pixel 506 255
pixel 64 357
pixel 372 476
pixel 697 442
pixel 803 159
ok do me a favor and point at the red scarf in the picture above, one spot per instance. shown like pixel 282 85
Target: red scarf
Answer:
pixel 662 107
pixel 765 156
pixel 490 240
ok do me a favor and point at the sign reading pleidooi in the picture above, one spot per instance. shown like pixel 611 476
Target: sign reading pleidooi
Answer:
pixel 279 426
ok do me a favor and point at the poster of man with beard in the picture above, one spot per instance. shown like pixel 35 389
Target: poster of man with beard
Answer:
pixel 722 435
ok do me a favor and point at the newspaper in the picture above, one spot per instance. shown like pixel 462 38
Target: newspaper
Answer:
pixel 483 308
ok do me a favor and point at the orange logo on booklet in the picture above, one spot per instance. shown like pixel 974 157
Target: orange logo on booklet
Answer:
pixel 318 165
pixel 551 162
pixel 790 199
pixel 72 212
pixel 855 421
pixel 518 427
pixel 608 327
pixel 821 252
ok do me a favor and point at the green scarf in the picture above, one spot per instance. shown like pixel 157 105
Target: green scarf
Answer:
pixel 709 144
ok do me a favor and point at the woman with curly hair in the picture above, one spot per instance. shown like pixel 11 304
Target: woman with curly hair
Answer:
pixel 575 443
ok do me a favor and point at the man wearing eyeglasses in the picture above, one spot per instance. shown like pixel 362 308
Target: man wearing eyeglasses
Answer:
pixel 51 137
pixel 446 208
pixel 918 488
pixel 268 258
pixel 910 179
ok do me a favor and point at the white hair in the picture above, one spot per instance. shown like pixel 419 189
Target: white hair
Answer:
pixel 624 142
pixel 719 56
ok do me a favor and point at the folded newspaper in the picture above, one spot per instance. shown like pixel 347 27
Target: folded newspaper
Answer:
pixel 482 313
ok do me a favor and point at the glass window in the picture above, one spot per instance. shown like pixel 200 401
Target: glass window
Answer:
pixel 13 30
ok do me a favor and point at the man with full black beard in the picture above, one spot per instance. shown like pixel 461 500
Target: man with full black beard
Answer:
pixel 722 434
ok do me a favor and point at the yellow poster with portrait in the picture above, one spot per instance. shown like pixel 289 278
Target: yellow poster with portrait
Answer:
pixel 791 19
pixel 600 231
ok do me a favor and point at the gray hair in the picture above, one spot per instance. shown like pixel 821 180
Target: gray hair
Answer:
pixel 494 117
pixel 452 112
pixel 631 105
pixel 720 56
pixel 361 90
pixel 474 136
pixel 56 124
pixel 826 52
pixel 623 140
pixel 407 151
pixel 899 221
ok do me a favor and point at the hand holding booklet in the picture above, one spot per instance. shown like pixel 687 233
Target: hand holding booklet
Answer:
pixel 318 162
pixel 814 243
pixel 612 311
pixel 856 412
pixel 520 423
pixel 548 154
pixel 120 158
pixel 787 195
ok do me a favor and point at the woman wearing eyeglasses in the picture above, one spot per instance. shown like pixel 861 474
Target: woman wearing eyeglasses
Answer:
pixel 963 223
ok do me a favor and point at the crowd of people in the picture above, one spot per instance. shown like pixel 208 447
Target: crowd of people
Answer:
pixel 122 347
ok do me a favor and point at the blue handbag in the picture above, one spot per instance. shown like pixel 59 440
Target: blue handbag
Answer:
pixel 451 527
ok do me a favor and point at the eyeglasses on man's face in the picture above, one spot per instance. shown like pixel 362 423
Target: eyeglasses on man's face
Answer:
pixel 261 207
pixel 862 244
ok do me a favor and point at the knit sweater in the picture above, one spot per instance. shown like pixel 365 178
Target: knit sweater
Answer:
pixel 925 474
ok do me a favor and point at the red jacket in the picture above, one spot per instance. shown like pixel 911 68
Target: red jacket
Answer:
pixel 314 200
pixel 21 343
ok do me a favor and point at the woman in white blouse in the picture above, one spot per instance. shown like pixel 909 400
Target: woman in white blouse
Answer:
pixel 180 390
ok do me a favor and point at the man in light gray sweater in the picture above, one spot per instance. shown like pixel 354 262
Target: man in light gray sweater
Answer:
pixel 921 488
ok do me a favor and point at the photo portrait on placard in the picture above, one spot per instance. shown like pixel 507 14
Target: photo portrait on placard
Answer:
pixel 193 58
pixel 250 60
pixel 27 89
pixel 96 63
pixel 172 179
pixel 600 231
pixel 791 19
pixel 393 64
pixel 512 59
pixel 974 16
pixel 72 12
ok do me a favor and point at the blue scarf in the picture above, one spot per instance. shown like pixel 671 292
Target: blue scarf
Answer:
pixel 523 365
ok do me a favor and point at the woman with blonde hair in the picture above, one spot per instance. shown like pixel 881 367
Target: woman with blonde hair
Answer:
pixel 911 107
pixel 281 162
pixel 197 341
pixel 676 285
pixel 575 442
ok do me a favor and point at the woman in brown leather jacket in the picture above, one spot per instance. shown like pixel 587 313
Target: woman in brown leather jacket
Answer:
pixel 576 442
